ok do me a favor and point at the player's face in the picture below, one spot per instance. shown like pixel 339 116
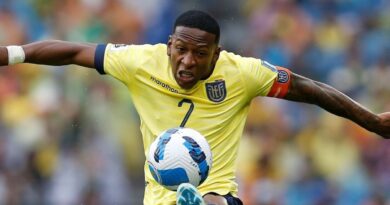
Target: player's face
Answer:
pixel 193 54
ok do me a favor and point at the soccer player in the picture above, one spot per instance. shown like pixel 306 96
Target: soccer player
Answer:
pixel 191 82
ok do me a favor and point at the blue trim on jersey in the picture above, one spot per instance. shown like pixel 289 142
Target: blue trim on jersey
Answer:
pixel 99 58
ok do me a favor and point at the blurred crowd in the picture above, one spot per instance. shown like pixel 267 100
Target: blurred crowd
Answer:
pixel 69 136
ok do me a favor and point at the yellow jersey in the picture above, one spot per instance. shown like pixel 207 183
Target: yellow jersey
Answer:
pixel 217 107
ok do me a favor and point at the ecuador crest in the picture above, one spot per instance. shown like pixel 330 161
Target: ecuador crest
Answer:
pixel 216 91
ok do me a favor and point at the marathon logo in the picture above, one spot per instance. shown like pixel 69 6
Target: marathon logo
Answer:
pixel 164 85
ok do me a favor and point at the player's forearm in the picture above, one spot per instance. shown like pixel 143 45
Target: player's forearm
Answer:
pixel 53 52
pixel 60 53
pixel 332 100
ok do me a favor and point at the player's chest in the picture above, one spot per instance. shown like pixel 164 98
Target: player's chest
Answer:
pixel 215 90
pixel 215 97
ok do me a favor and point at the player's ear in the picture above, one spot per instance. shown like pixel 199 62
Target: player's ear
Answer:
pixel 216 53
pixel 169 44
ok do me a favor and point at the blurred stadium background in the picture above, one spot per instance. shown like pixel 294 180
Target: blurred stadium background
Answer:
pixel 69 136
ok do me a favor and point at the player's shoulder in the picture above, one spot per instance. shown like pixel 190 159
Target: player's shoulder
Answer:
pixel 237 60
pixel 155 50
pixel 152 48
pixel 149 52
pixel 159 46
pixel 227 55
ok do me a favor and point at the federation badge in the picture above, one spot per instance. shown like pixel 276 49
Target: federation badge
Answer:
pixel 283 76
pixel 216 91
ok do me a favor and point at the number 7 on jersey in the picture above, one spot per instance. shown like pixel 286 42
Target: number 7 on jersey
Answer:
pixel 183 123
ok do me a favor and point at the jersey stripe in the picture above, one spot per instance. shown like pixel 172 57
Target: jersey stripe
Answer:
pixel 99 58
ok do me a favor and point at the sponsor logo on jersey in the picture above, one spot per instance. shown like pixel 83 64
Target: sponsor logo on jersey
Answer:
pixel 216 91
pixel 164 85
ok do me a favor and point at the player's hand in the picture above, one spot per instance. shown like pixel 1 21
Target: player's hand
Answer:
pixel 384 126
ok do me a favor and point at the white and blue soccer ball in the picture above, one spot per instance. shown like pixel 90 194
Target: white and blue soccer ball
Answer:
pixel 179 155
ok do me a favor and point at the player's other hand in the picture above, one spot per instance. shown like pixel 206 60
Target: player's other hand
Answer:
pixel 383 129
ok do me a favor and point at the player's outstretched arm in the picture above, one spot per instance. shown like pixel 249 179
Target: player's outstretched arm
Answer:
pixel 50 52
pixel 306 90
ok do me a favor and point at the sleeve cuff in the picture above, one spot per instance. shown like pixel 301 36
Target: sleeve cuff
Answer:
pixel 99 58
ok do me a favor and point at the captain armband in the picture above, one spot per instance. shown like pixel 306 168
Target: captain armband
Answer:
pixel 15 55
pixel 281 84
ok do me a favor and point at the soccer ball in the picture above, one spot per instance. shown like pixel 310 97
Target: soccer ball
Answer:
pixel 179 155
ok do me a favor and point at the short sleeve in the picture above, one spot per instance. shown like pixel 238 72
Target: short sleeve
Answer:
pixel 121 61
pixel 258 75
pixel 124 62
